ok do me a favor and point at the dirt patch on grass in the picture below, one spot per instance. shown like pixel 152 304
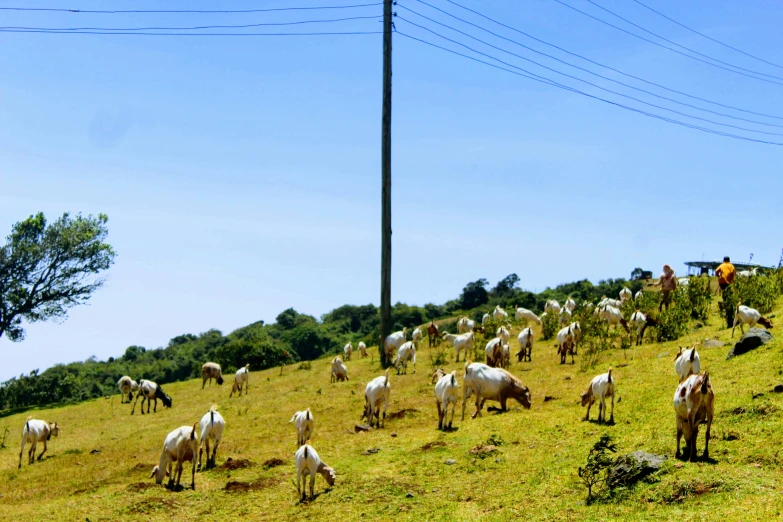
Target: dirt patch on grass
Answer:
pixel 273 462
pixel 483 450
pixel 140 486
pixel 761 410
pixel 681 491
pixel 152 504
pixel 235 486
pixel 140 467
pixel 231 464
pixel 436 444
pixel 403 413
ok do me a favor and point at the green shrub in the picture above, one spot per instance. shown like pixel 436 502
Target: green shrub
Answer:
pixel 673 321
pixel 596 470
pixel 550 323
pixel 757 292
pixel 699 296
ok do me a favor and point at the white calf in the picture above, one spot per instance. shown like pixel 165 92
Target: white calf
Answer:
pixel 600 388
pixel 376 395
pixel 459 342
pixel 749 316
pixel 687 362
pixel 180 446
pixel 36 431
pixel 524 313
pixel 525 340
pixel 407 352
pixel 445 394
pixel 309 463
pixel 212 427
pixel 241 378
pixel 304 426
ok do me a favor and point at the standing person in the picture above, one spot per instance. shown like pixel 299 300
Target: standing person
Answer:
pixel 725 273
pixel 668 284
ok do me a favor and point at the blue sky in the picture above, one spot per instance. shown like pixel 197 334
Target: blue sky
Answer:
pixel 241 175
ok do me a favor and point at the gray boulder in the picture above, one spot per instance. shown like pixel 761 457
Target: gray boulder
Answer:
pixel 629 469
pixel 752 339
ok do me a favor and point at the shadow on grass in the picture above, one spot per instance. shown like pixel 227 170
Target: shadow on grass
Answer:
pixel 309 500
pixel 685 457
pixel 601 423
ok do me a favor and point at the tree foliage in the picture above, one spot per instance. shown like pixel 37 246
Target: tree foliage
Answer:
pixel 46 269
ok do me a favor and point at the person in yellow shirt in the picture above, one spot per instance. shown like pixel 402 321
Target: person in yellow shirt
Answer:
pixel 725 273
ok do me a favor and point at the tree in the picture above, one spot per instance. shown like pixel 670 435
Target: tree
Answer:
pixel 474 294
pixel 506 286
pixel 636 274
pixel 47 269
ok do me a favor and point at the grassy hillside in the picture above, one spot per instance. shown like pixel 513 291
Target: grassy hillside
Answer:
pixel 532 476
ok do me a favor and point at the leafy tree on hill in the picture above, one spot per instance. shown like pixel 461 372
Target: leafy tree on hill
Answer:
pixel 46 269
pixel 474 294
pixel 506 286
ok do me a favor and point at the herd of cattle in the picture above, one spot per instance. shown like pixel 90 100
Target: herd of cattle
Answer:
pixel 693 397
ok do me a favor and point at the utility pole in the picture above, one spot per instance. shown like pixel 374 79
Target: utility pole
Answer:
pixel 386 231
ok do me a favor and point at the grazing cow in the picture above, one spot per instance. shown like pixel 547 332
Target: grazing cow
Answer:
pixel 339 370
pixel 445 394
pixel 407 352
pixel 465 325
pixel 362 349
pixel 693 404
pixel 524 313
pixel 180 446
pixel 494 384
pixel 416 336
pixel 304 426
pixel 127 386
pixel 552 306
pixel 749 316
pixel 459 342
pixel 433 336
pixel 525 340
pixel 348 351
pixel 376 395
pixel 565 316
pixel 485 319
pixel 308 462
pixel 499 314
pixel 36 431
pixel 241 378
pixel 211 371
pixel 393 342
pixel 565 343
pixel 494 352
pixel 212 427
pixel 613 316
pixel 625 294
pixel 642 321
pixel 601 387
pixel 570 304
pixel 150 391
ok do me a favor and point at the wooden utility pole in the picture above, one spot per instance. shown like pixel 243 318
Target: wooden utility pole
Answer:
pixel 386 231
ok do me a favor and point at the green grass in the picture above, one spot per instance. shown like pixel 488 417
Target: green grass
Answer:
pixel 532 476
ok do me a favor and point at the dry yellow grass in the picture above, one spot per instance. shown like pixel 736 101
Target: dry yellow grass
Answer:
pixel 532 476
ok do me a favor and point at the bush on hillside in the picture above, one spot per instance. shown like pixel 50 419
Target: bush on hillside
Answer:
pixel 699 297
pixel 550 324
pixel 757 292
pixel 673 321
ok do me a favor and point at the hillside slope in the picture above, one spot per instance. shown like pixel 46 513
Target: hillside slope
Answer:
pixel 533 475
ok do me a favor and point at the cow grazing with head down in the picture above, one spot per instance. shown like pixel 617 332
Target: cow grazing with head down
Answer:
pixel 211 371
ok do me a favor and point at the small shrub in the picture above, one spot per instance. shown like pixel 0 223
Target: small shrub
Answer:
pixel 495 440
pixel 305 365
pixel 596 470
pixel 439 356
pixel 729 305
pixel 699 296
pixel 549 326
pixel 673 321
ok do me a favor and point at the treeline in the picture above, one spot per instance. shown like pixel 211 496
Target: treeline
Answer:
pixel 292 337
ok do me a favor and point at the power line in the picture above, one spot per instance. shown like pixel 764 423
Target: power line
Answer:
pixel 579 79
pixel 191 34
pixel 577 91
pixel 589 60
pixel 599 6
pixel 195 28
pixel 581 68
pixel 191 11
pixel 707 37
pixel 665 46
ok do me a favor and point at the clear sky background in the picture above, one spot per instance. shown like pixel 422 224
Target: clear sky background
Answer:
pixel 241 175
